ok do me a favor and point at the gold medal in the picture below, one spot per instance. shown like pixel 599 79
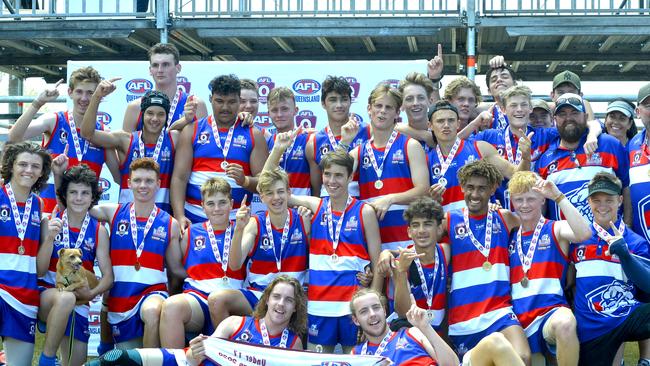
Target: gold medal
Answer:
pixel 487 266
pixel 379 184
pixel 137 265
pixel 335 258
pixel 524 282
pixel 21 249
pixel 224 165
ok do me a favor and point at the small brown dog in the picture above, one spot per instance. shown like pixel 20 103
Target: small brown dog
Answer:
pixel 70 274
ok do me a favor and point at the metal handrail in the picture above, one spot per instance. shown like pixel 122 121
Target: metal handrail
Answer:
pixel 560 7
pixel 57 9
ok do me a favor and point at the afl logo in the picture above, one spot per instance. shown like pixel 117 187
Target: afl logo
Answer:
pixel 354 84
pixel 104 184
pixel 306 86
pixel 139 86
pixel 265 85
pixel 104 118
pixel 306 119
pixel 183 84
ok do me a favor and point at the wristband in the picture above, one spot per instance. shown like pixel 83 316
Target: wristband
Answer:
pixel 559 198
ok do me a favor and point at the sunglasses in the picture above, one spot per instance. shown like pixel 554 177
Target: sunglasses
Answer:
pixel 576 102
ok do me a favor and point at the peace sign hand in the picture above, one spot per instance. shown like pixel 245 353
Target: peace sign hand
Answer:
pixel 617 245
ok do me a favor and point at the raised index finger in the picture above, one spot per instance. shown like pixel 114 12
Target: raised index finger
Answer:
pixel 58 83
pixel 243 201
pixel 439 50
pixel 412 299
pixel 112 80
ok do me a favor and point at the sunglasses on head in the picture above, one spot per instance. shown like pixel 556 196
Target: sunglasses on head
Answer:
pixel 570 100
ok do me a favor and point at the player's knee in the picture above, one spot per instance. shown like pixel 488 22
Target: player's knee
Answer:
pixel 172 309
pixel 151 313
pixel 222 300
pixel 564 326
pixel 65 300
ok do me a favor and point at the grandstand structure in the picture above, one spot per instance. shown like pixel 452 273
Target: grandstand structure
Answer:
pixel 598 39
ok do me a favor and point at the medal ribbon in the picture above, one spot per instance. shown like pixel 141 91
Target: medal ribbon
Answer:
pixel 335 235
pixel 215 247
pixel 382 345
pixel 283 240
pixel 172 109
pixel 217 138
pixel 379 167
pixel 513 160
pixel 484 249
pixel 134 228
pixel 425 288
pixel 156 151
pixel 265 335
pixel 331 138
pixel 445 163
pixel 21 225
pixel 75 138
pixel 527 262
pixel 66 230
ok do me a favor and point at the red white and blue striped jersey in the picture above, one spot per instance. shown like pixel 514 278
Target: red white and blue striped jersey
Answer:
pixel 18 286
pixel 639 157
pixel 249 332
pixel 262 267
pixel 204 271
pixel 396 177
pixel 558 165
pixel 477 297
pixel 453 197
pixel 178 113
pixel 546 276
pixel 331 284
pixel 132 285
pixel 88 249
pixel 437 279
pixel 61 136
pixel 165 161
pixel 604 296
pixel 295 163
pixel 207 161
pixel 402 348
pixel 497 138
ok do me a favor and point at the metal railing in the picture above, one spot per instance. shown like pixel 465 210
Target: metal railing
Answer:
pixel 564 7
pixel 53 9
pixel 315 8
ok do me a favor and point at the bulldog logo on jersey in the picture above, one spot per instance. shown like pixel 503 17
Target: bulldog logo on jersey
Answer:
pixel 35 219
pixel 199 243
pixel 296 237
pixel 165 154
pixel 239 141
pixel 544 242
pixel 470 159
pixel 122 227
pixel 159 233
pixel 460 231
pixel 613 300
pixel 578 198
pixel 89 245
pixel 352 224
pixel 4 213
pixel 204 138
pixel 398 157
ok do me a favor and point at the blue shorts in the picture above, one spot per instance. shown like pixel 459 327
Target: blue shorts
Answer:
pixel 465 342
pixel 252 296
pixel 208 328
pixel 328 331
pixel 535 334
pixel 15 324
pixel 81 331
pixel 133 327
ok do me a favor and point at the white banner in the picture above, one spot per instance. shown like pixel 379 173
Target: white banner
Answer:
pixel 224 352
